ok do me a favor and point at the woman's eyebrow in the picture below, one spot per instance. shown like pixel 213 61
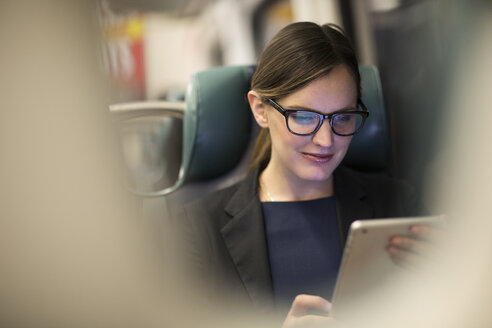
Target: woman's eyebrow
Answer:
pixel 297 107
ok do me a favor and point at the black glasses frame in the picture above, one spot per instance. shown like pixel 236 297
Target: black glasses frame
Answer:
pixel 286 112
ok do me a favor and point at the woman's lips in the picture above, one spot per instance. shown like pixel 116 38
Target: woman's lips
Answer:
pixel 318 158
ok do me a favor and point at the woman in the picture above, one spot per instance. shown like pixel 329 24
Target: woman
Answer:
pixel 275 239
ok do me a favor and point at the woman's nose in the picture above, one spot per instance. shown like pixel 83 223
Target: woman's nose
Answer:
pixel 324 136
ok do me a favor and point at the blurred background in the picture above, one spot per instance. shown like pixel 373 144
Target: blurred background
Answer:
pixel 75 249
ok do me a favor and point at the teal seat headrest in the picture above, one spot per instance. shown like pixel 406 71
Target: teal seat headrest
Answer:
pixel 217 121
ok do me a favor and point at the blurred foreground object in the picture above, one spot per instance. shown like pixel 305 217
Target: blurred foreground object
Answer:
pixel 73 252
pixel 454 288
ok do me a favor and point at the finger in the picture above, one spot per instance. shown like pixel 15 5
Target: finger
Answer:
pixel 303 302
pixel 402 258
pixel 401 242
pixel 424 231
pixel 410 244
pixel 399 253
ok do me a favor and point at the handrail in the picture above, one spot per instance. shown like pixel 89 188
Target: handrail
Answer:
pixel 146 108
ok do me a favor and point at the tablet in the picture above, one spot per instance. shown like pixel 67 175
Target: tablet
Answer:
pixel 366 262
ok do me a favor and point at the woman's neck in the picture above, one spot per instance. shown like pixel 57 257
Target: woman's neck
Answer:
pixel 280 185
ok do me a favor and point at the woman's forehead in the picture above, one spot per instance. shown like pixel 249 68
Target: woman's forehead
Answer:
pixel 334 91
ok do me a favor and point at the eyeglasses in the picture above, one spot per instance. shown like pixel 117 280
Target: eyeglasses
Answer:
pixel 307 122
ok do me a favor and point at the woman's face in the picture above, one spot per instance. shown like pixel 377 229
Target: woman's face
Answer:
pixel 314 157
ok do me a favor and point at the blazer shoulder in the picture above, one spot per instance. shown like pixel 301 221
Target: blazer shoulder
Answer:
pixel 230 200
pixel 371 180
pixel 386 191
pixel 209 206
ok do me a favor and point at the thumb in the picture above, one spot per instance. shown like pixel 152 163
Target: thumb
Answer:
pixel 303 302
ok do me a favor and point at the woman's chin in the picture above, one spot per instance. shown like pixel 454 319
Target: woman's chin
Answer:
pixel 317 175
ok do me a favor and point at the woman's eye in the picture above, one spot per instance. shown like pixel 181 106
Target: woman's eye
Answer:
pixel 343 118
pixel 304 118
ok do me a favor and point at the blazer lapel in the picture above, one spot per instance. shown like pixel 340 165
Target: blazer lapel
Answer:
pixel 244 236
pixel 351 200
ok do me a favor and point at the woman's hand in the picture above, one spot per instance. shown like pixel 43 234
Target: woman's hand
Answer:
pixel 407 250
pixel 299 316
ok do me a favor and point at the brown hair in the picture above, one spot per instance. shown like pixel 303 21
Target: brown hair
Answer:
pixel 297 55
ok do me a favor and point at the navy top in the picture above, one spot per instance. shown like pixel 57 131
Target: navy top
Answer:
pixel 303 247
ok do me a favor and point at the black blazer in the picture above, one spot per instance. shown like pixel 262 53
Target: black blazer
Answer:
pixel 225 239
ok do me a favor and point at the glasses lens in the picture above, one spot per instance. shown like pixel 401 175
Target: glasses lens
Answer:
pixel 302 122
pixel 346 123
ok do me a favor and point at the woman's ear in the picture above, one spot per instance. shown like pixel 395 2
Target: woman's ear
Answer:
pixel 258 108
